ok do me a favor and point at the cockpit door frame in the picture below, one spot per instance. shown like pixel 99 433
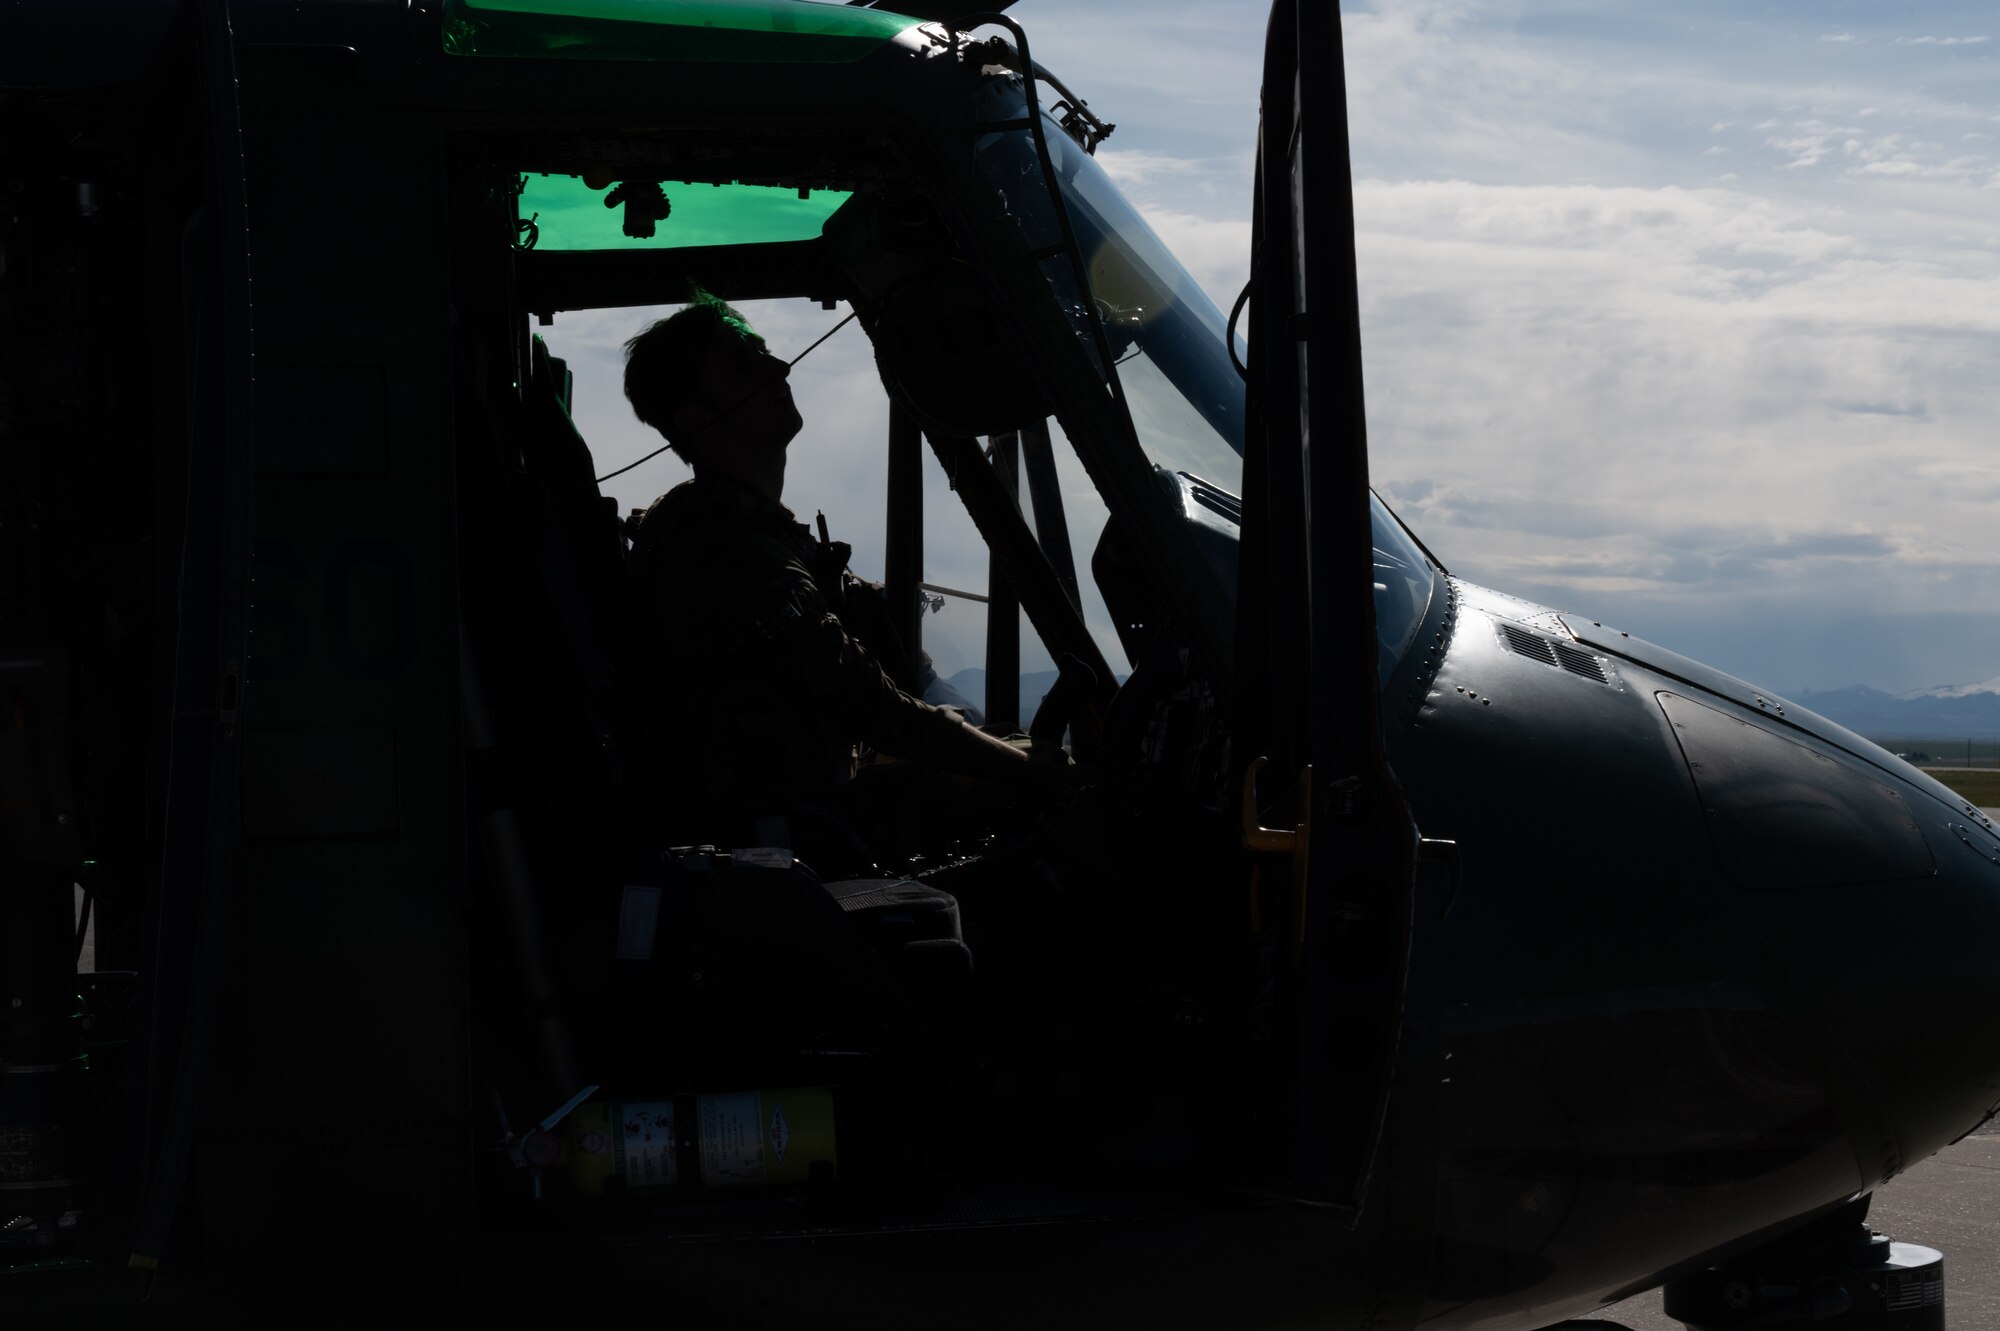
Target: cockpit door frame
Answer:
pixel 199 870
pixel 1307 614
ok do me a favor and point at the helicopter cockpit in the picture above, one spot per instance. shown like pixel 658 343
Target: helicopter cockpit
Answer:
pixel 1022 318
pixel 1009 291
pixel 1024 299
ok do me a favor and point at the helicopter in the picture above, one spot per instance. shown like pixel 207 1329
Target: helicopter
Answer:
pixel 311 621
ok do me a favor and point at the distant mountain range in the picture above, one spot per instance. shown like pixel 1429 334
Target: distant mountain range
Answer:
pixel 970 684
pixel 1947 712
pixel 1954 690
pixel 1951 711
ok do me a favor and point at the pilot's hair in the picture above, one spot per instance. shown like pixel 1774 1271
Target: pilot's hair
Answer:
pixel 661 362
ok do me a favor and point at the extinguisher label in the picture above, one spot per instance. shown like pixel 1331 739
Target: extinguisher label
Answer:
pixel 646 1150
pixel 781 1135
pixel 732 1139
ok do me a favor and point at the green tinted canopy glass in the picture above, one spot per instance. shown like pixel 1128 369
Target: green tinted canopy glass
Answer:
pixel 775 31
pixel 569 215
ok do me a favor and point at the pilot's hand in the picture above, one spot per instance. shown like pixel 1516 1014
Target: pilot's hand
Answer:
pixel 1051 769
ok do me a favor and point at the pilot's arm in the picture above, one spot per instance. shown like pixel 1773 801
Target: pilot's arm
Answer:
pixel 856 696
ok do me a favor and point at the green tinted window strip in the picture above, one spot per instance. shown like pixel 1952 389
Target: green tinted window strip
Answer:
pixel 773 31
pixel 569 215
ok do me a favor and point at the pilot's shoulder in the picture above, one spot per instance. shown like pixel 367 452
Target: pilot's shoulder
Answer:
pixel 690 521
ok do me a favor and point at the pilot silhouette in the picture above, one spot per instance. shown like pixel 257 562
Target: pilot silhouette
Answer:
pixel 748 693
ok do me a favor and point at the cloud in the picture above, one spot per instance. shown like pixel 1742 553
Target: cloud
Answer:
pixel 1593 380
pixel 1183 81
pixel 1440 88
pixel 1585 222
pixel 1810 142
pixel 1907 410
pixel 1138 169
pixel 1883 155
pixel 1893 168
pixel 1942 41
pixel 1646 397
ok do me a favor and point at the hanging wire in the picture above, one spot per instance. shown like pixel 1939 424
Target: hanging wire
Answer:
pixel 1229 333
pixel 739 402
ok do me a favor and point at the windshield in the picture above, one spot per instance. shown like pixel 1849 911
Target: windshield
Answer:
pixel 1168 341
pixel 1166 336
pixel 1404 581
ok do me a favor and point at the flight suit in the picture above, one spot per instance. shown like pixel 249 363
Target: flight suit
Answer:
pixel 747 695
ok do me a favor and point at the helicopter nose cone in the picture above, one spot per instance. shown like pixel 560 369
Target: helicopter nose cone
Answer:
pixel 1788 815
pixel 1882 893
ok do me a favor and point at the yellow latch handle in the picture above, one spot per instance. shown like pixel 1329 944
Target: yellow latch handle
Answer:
pixel 1294 842
pixel 1256 836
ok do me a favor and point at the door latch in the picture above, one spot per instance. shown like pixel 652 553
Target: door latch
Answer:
pixel 1295 842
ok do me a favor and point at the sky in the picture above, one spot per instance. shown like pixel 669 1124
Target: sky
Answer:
pixel 1687 319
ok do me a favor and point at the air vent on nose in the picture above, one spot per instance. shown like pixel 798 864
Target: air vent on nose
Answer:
pixel 1550 652
pixel 1533 645
pixel 1579 662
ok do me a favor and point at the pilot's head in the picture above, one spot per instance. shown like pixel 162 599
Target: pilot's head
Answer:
pixel 703 378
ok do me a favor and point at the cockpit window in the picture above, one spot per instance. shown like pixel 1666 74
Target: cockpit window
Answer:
pixel 785 31
pixel 1166 336
pixel 569 215
pixel 1169 342
pixel 1404 582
